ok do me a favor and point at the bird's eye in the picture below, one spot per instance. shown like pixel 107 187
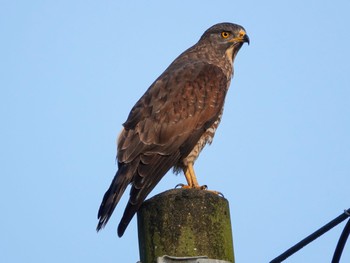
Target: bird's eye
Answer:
pixel 225 34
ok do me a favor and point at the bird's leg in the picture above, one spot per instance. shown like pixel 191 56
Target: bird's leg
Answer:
pixel 192 180
pixel 191 177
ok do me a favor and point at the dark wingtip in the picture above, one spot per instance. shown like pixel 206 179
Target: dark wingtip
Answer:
pixel 102 220
pixel 99 226
pixel 121 229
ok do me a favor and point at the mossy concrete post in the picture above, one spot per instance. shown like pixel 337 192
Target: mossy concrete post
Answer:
pixel 185 223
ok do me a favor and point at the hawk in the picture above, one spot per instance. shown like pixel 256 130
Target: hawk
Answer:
pixel 175 118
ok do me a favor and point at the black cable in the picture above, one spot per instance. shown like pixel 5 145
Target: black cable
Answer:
pixel 312 237
pixel 341 243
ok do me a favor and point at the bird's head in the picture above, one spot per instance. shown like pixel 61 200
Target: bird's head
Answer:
pixel 225 38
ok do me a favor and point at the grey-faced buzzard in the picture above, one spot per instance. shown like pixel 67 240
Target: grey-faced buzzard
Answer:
pixel 175 118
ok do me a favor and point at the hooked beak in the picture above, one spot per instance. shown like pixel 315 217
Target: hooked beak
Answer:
pixel 246 39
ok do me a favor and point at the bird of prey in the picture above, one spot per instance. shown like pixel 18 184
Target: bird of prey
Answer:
pixel 175 118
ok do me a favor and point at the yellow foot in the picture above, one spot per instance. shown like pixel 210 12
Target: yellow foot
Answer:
pixel 216 192
pixel 203 187
pixel 192 182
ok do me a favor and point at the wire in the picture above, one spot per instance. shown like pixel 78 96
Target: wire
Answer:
pixel 341 243
pixel 312 237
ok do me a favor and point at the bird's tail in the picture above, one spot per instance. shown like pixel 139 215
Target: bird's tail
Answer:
pixel 115 191
pixel 146 178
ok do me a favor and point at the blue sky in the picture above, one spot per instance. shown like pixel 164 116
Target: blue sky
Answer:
pixel 70 71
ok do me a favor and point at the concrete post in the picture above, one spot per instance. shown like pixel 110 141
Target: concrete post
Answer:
pixel 185 223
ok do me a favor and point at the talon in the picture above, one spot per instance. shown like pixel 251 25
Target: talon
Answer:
pixel 179 185
pixel 204 187
pixel 221 194
pixel 185 186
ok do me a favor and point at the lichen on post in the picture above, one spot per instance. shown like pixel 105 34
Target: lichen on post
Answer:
pixel 185 223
